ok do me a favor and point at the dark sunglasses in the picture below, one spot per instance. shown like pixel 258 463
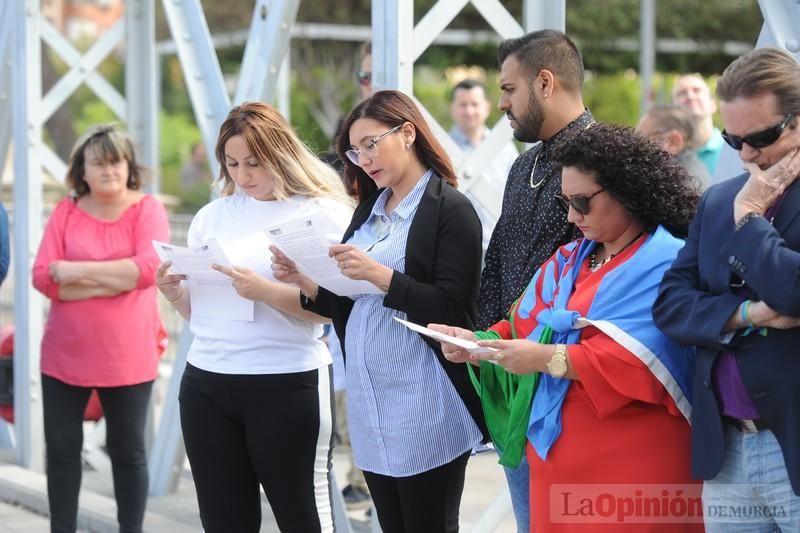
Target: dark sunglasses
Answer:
pixel 759 139
pixel 579 202
pixel 364 77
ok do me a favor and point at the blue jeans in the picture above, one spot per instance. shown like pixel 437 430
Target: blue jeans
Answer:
pixel 518 485
pixel 752 493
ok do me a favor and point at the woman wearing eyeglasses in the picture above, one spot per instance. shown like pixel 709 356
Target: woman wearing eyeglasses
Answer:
pixel 609 415
pixel 413 416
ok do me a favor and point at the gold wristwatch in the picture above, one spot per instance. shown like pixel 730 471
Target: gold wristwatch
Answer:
pixel 557 367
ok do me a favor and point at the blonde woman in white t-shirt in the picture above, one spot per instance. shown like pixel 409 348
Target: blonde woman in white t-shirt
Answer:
pixel 256 395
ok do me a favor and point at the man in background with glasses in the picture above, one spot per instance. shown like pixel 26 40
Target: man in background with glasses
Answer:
pixel 734 293
pixel 541 76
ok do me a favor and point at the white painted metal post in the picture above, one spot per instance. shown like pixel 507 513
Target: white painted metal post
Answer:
pixel 544 14
pixel 392 45
pixel 267 45
pixel 27 128
pixel 140 85
pixel 6 31
pixel 167 453
pixel 201 70
pixel 647 52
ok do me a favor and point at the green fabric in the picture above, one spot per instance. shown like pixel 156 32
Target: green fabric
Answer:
pixel 506 399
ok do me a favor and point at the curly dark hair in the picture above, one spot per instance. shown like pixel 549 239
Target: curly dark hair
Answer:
pixel 646 180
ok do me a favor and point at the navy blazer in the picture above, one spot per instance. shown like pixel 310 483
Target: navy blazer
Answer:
pixel 695 301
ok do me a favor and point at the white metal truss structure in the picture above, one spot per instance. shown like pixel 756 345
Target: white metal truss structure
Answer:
pixel 397 43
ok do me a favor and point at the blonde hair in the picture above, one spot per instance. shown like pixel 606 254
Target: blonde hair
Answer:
pixel 273 142
pixel 112 145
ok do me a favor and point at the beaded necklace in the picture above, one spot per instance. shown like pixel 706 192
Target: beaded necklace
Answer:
pixel 594 264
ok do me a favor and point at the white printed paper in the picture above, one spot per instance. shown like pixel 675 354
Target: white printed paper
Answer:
pixel 304 241
pixel 470 346
pixel 212 293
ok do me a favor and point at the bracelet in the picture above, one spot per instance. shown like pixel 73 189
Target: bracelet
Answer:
pixel 744 314
pixel 176 299
pixel 745 219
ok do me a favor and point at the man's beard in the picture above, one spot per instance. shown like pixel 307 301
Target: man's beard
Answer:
pixel 529 125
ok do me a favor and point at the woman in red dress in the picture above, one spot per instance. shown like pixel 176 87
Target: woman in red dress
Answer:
pixel 606 432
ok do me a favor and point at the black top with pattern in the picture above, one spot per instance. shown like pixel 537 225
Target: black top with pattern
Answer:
pixel 531 227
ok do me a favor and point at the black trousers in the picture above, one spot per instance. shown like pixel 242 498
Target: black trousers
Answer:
pixel 274 430
pixel 125 411
pixel 424 503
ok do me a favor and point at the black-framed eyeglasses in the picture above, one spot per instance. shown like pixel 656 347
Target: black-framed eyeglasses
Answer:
pixel 364 77
pixel 579 202
pixel 371 148
pixel 759 139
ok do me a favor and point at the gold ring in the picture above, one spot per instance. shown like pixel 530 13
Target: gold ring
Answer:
pixel 498 356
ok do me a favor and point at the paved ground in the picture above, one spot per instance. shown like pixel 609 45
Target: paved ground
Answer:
pixel 484 481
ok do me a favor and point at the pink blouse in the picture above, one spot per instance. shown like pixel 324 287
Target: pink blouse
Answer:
pixel 102 342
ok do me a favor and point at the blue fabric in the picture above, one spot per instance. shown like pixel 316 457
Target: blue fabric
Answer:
pixel 519 480
pixel 624 298
pixel 752 492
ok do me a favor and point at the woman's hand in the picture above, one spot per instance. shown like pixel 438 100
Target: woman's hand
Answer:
pixel 355 264
pixel 285 270
pixel 247 283
pixel 452 352
pixel 518 356
pixel 65 272
pixel 169 283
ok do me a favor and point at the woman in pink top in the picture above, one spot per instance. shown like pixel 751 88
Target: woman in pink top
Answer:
pixel 97 265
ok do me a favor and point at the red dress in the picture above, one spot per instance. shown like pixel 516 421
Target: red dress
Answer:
pixel 619 427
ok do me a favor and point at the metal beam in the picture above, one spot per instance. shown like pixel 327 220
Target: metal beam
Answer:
pixel 647 52
pixel 392 46
pixel 201 70
pixel 434 23
pixel 27 128
pixel 266 49
pixel 140 85
pixel 499 18
pixel 6 31
pixel 71 56
pixel 781 17
pixel 166 457
pixel 68 83
pixel 544 14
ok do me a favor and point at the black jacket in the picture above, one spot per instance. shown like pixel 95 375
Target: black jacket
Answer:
pixel 441 279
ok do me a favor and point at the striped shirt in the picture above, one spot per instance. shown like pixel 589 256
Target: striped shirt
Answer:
pixel 404 415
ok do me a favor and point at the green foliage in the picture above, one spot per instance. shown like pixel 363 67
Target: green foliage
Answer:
pixel 613 97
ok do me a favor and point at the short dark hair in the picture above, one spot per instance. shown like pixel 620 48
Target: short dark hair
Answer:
pixel 673 117
pixel 111 145
pixel 646 180
pixel 467 84
pixel 547 49
pixel 764 70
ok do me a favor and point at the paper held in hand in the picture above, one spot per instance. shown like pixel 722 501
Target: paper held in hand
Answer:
pixel 212 293
pixel 470 346
pixel 303 240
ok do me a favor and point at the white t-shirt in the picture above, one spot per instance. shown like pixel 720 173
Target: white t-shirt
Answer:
pixel 274 342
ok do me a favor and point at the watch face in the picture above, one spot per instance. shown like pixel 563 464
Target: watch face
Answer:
pixel 557 367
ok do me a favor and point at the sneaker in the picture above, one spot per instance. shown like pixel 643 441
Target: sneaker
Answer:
pixel 355 498
pixel 482 448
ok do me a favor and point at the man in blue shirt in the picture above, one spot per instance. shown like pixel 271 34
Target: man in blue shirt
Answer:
pixel 692 93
